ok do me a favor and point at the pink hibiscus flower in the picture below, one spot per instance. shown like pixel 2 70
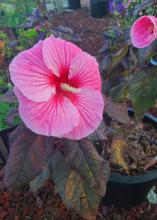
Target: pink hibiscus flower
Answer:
pixel 144 31
pixel 59 89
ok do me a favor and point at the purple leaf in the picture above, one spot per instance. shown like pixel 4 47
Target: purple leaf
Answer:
pixel 80 177
pixel 8 97
pixel 13 113
pixel 28 156
pixel 100 133
pixel 117 111
pixel 63 29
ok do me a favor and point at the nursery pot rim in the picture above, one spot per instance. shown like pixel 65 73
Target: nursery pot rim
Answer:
pixel 135 179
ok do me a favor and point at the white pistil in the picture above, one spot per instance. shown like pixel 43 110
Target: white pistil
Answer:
pixel 68 88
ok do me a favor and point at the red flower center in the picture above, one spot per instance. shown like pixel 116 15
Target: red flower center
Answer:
pixel 63 84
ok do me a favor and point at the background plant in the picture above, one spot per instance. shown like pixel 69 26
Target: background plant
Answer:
pixel 8 106
pixel 27 38
pixel 14 12
pixel 127 80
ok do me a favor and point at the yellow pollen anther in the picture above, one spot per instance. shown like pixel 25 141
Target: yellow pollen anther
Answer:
pixel 68 88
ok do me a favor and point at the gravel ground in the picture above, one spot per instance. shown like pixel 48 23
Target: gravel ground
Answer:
pixel 46 205
pixel 89 29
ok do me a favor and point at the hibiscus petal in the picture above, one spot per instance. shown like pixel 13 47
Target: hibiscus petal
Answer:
pixel 84 72
pixel 29 73
pixel 57 54
pixel 90 105
pixel 52 118
pixel 144 31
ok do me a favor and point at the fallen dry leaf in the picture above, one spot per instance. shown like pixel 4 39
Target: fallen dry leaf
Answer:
pixel 151 163
pixel 2 43
pixel 2 56
pixel 118 146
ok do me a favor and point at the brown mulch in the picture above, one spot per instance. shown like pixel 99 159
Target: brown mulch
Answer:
pixel 141 212
pixel 24 205
pixel 89 29
pixel 47 205
pixel 139 151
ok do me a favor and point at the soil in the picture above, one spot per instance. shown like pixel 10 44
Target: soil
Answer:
pixel 89 29
pixel 139 150
pixel 47 205
pixel 24 205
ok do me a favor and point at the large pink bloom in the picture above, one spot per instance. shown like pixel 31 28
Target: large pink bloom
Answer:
pixel 144 31
pixel 59 89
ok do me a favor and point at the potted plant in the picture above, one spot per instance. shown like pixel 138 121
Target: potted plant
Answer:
pixel 129 190
pixel 99 8
pixel 74 4
pixel 133 170
pixel 117 36
pixel 146 8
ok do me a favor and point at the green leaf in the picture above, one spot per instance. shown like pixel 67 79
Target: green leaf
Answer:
pixel 4 110
pixel 119 56
pixel 138 77
pixel 27 38
pixel 118 91
pixel 15 12
pixel 143 93
pixel 28 157
pixel 80 177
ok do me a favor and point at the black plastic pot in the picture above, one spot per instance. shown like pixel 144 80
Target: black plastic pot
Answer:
pixel 74 4
pixel 99 8
pixel 128 191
